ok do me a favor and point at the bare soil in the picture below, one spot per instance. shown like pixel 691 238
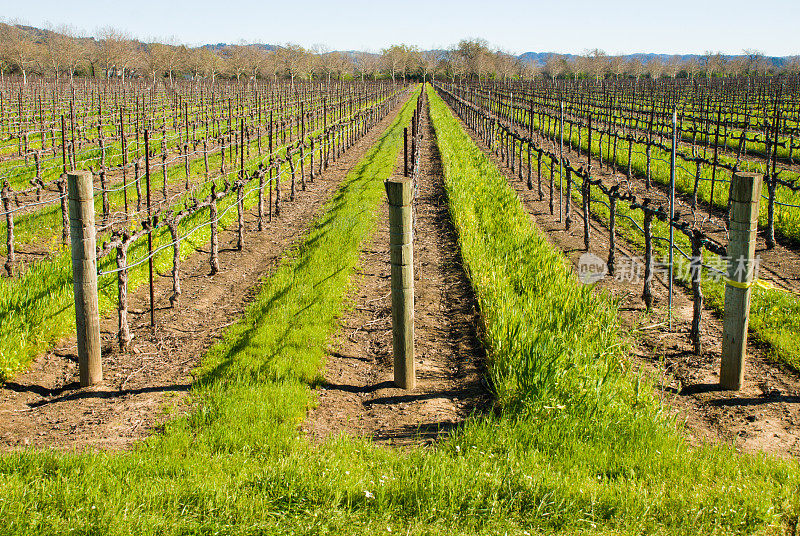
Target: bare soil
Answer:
pixel 45 407
pixel 763 416
pixel 359 397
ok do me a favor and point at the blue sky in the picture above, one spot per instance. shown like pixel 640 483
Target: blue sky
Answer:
pixel 616 26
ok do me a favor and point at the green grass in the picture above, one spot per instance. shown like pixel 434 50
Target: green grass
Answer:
pixel 580 449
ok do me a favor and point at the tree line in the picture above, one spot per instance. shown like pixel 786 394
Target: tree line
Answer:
pixel 63 52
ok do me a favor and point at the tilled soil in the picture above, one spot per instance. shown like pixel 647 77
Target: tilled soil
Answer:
pixel 45 407
pixel 359 397
pixel 763 416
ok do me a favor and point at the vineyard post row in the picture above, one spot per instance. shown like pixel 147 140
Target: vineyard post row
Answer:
pixel 329 151
pixel 489 127
pixel 401 193
pixel 600 115
pixel 757 106
pixel 316 111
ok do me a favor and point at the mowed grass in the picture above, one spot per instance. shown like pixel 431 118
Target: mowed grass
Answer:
pixel 577 446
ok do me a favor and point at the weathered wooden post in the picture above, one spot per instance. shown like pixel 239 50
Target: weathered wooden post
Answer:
pixel 405 152
pixel 84 272
pixel 399 193
pixel 744 196
pixel 6 195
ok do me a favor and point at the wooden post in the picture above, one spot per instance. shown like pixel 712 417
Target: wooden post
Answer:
pixel 240 214
pixel 124 335
pixel 647 293
pixel 612 230
pixel 6 195
pixel 696 271
pixel 212 216
pixel 587 211
pixel 405 152
pixel 745 193
pixel 84 271
pixel 62 192
pixel 399 193
pixel 176 261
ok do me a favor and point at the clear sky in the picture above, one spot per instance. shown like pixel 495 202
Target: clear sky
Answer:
pixel 569 26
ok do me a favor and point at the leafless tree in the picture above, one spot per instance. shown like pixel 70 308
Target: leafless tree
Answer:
pixel 692 67
pixel 596 63
pixel 294 60
pixel 252 55
pixel 165 58
pixel 736 66
pixel 235 60
pixel 476 56
pixel 555 66
pixel 453 65
pixel 673 66
pixel 504 65
pixel 399 60
pixel 319 66
pixel 150 62
pixel 332 64
pixel 792 65
pixel 427 65
pixel 193 61
pixel 655 68
pixel 19 48
pixel 524 70
pixel 212 63
pixel 115 51
pixel 616 66
pixel 756 62
pixel 712 62
pixel 635 68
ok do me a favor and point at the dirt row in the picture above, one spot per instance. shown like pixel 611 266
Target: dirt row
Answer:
pixel 45 407
pixel 763 416
pixel 359 397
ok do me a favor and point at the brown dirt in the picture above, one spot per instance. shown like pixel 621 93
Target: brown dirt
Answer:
pixel 763 416
pixel 45 407
pixel 359 396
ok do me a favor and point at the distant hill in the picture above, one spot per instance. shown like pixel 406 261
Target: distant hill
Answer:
pixel 540 58
pixel 263 46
